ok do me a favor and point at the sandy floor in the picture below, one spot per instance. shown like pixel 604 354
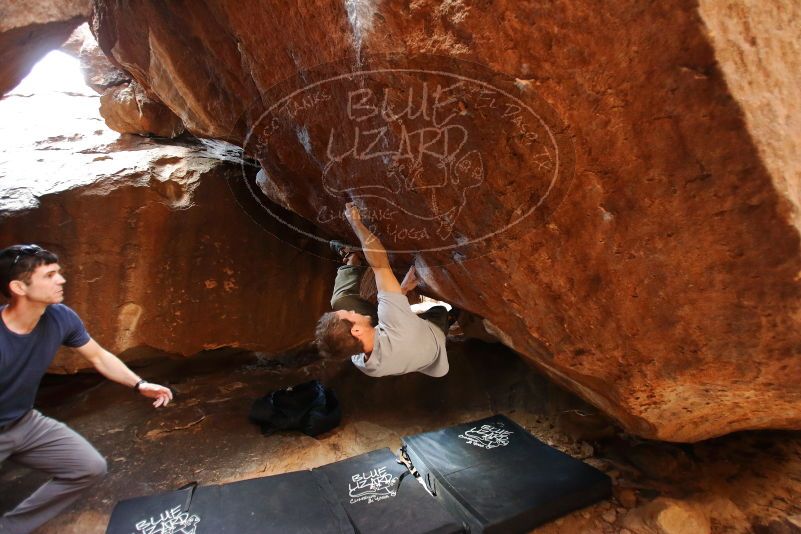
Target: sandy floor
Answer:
pixel 746 482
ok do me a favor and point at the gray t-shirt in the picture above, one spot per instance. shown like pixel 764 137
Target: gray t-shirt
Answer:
pixel 404 343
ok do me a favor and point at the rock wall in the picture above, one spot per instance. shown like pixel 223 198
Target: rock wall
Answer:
pixel 124 104
pixel 175 266
pixel 662 286
pixel 29 30
pixel 126 108
pixel 757 47
pixel 658 279
pixel 157 251
pixel 98 71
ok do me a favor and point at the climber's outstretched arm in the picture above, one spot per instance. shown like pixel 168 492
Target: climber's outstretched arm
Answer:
pixel 374 252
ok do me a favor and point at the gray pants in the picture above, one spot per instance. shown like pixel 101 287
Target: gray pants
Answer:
pixel 346 292
pixel 45 444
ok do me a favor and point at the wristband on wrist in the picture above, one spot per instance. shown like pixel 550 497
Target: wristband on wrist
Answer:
pixel 138 384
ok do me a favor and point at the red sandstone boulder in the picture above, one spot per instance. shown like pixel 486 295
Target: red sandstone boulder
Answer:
pixel 659 279
pixel 127 108
pixel 98 71
pixel 158 253
pixel 28 30
pixel 661 285
pixel 125 105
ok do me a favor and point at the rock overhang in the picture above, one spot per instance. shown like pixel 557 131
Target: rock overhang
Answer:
pixel 663 287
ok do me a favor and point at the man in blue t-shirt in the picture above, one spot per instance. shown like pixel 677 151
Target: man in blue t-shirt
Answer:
pixel 33 326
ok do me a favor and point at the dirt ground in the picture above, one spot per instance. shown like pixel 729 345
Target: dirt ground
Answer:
pixel 748 482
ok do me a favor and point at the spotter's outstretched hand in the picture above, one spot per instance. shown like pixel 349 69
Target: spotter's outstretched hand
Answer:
pixel 162 395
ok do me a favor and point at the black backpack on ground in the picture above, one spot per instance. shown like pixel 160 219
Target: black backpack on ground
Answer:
pixel 309 407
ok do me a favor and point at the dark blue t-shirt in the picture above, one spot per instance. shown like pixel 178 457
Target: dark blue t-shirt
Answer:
pixel 24 359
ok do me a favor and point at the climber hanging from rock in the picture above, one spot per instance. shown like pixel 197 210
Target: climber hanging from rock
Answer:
pixel 388 339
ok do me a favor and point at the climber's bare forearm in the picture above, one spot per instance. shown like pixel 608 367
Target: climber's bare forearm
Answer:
pixel 374 251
